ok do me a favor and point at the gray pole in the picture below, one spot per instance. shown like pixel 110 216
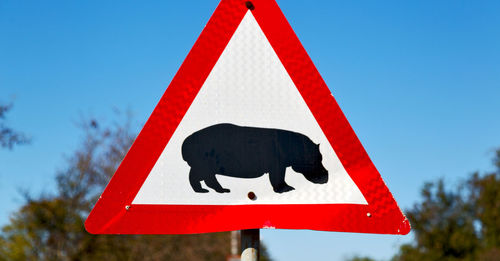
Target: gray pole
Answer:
pixel 234 242
pixel 250 244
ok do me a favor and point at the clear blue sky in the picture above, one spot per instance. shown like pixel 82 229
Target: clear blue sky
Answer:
pixel 419 81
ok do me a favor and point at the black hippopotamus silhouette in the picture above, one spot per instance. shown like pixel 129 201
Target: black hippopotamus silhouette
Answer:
pixel 249 152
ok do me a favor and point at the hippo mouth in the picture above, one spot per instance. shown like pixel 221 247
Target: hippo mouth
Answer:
pixel 320 179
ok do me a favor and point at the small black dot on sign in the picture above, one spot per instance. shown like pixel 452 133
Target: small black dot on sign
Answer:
pixel 250 5
pixel 252 195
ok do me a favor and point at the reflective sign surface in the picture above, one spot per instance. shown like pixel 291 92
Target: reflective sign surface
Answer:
pixel 247 135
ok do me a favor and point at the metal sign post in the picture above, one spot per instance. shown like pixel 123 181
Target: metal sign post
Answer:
pixel 250 244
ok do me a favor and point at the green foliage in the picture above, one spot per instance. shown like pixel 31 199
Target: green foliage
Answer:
pixel 8 136
pixel 462 223
pixel 485 199
pixel 51 227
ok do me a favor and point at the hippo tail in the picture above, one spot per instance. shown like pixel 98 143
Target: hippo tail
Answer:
pixel 186 150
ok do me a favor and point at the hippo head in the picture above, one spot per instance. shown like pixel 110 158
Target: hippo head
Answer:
pixel 309 164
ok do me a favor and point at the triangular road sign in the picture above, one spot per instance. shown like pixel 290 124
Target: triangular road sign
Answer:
pixel 247 135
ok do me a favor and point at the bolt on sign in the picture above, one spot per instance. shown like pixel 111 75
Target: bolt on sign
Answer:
pixel 247 135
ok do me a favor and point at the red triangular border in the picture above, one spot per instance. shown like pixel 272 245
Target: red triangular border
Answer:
pixel 114 214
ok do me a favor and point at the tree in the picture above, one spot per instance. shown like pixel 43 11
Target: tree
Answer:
pixel 462 223
pixel 50 227
pixel 358 258
pixel 8 136
pixel 485 200
pixel 443 225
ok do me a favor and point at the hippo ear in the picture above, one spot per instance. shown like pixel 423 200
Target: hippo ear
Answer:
pixel 317 145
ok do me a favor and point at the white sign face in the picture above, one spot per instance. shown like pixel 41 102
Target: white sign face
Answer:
pixel 247 87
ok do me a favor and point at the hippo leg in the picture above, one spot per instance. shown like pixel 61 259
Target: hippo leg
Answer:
pixel 194 180
pixel 277 178
pixel 212 182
